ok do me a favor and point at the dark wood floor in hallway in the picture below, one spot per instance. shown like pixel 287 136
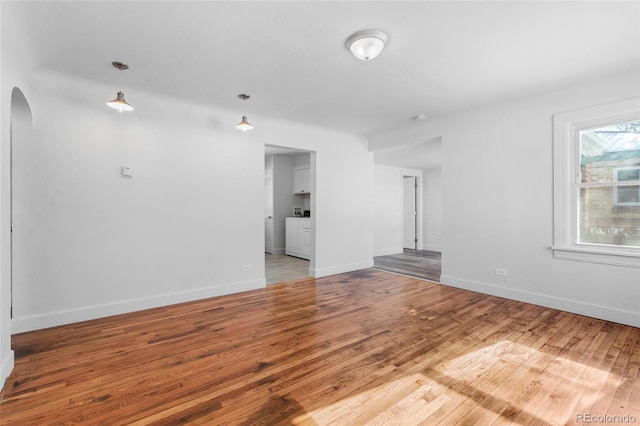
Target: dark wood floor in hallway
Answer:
pixel 415 263
pixel 360 348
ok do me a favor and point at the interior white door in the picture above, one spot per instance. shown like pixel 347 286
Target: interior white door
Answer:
pixel 409 213
pixel 268 212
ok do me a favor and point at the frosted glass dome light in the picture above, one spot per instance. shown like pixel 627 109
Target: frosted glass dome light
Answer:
pixel 367 44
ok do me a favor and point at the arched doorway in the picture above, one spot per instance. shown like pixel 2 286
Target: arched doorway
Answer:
pixel 21 142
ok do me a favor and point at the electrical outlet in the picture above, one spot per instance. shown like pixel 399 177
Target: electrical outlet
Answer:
pixel 246 268
pixel 500 272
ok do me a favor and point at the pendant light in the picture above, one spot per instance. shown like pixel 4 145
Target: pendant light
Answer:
pixel 119 103
pixel 367 44
pixel 244 125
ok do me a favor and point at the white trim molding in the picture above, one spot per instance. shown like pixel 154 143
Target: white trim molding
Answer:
pixel 52 319
pixel 605 257
pixel 595 311
pixel 6 368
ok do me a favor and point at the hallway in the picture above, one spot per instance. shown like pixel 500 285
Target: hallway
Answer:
pixel 280 267
pixel 415 263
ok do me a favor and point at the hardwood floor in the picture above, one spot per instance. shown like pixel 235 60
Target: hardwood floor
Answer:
pixel 415 263
pixel 366 347
pixel 280 267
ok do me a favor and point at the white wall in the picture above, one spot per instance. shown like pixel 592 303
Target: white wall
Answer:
pixel 6 354
pixel 497 204
pixel 99 244
pixel 16 56
pixel 432 209
pixel 92 243
pixel 342 210
pixel 302 160
pixel 387 211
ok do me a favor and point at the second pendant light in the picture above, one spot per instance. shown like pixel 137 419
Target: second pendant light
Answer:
pixel 244 125
pixel 119 103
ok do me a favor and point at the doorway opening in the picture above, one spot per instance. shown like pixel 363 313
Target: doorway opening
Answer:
pixel 410 212
pixel 20 196
pixel 408 219
pixel 289 213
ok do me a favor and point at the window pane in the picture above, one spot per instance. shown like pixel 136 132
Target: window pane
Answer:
pixel 605 149
pixel 603 222
pixel 628 174
pixel 628 195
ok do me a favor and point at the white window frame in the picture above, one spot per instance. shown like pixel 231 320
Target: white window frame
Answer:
pixel 567 178
pixel 615 189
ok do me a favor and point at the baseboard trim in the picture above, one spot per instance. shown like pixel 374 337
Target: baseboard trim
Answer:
pixel 340 269
pixel 591 310
pixel 52 319
pixel 6 369
pixel 278 251
pixel 432 248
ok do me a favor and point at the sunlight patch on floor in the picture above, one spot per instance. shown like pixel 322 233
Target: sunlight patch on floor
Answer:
pixel 413 393
pixel 499 382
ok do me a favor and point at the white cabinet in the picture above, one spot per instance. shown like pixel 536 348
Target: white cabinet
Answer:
pixel 304 238
pixel 298 237
pixel 291 237
pixel 301 184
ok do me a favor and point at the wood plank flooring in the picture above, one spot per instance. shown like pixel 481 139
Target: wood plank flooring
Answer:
pixel 415 263
pixel 280 267
pixel 362 348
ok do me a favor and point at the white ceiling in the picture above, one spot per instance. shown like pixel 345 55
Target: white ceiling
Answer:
pixel 421 156
pixel 281 150
pixel 290 56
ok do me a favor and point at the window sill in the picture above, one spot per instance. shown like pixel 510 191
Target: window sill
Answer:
pixel 592 255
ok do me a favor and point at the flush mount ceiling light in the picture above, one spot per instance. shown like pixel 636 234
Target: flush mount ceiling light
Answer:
pixel 244 125
pixel 119 103
pixel 367 44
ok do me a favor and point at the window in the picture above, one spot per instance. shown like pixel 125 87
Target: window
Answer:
pixel 627 195
pixel 597 184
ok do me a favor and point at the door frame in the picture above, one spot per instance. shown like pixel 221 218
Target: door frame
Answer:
pixel 287 150
pixel 20 117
